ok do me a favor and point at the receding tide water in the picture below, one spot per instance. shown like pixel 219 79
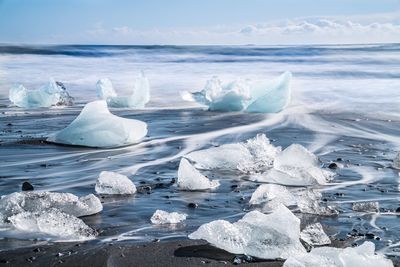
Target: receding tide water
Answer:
pixel 345 104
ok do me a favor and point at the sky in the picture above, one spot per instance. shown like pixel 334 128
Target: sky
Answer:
pixel 199 22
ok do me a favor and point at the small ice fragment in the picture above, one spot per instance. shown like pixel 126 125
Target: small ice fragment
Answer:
pixel 112 183
pixel 240 95
pixel 254 155
pixel 53 223
pixel 266 236
pixel 19 202
pixel 51 94
pixel 138 99
pixel 272 195
pixel 163 217
pixel 396 161
pixel 314 235
pixel 372 206
pixel 97 127
pixel 191 179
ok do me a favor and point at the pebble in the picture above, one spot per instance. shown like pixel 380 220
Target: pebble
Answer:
pixel 193 205
pixel 26 186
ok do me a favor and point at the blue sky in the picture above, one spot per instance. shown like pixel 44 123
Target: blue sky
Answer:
pixel 201 21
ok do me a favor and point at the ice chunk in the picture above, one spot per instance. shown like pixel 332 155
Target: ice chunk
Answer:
pixel 314 235
pixel 53 223
pixel 262 97
pixel 19 202
pixel 272 195
pixel 191 179
pixel 266 236
pixel 52 94
pixel 254 155
pixel 366 206
pixel 163 217
pixel 396 161
pixel 112 183
pixel 362 256
pixel 138 99
pixel 97 127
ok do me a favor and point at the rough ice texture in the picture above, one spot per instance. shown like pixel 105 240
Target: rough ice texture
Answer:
pixel 113 183
pixel 51 94
pixel 272 195
pixel 362 256
pixel 366 206
pixel 19 202
pixel 191 179
pixel 97 127
pixel 255 155
pixel 266 236
pixel 53 223
pixel 295 166
pixel 163 217
pixel 396 161
pixel 262 97
pixel 314 235
pixel 138 99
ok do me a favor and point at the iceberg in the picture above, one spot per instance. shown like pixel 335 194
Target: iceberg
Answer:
pixel 111 183
pixel 191 179
pixel 372 206
pixel 163 217
pixel 396 161
pixel 314 235
pixel 362 256
pixel 255 155
pixel 51 94
pixel 262 97
pixel 97 127
pixel 267 236
pixel 138 99
pixel 33 202
pixel 53 223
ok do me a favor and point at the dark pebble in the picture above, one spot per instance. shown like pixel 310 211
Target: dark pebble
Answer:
pixel 369 236
pixel 398 209
pixel 4 261
pixel 36 250
pixel 333 165
pixel 26 186
pixel 193 205
pixel 339 159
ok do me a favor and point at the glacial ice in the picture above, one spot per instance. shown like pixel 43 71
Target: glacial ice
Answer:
pixel 262 97
pixel 97 127
pixel 255 155
pixel 361 256
pixel 267 236
pixel 191 179
pixel 112 183
pixel 396 161
pixel 314 235
pixel 272 195
pixel 163 217
pixel 53 223
pixel 372 206
pixel 51 94
pixel 20 202
pixel 138 99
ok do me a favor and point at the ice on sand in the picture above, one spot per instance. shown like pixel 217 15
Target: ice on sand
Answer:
pixel 266 236
pixel 191 179
pixel 51 94
pixel 314 235
pixel 362 256
pixel 372 206
pixel 113 183
pixel 163 217
pixel 97 127
pixel 272 195
pixel 255 155
pixel 262 97
pixel 138 99
pixel 52 223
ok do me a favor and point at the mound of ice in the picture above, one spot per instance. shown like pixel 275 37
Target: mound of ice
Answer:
pixel 266 236
pixel 20 202
pixel 262 97
pixel 396 161
pixel 138 99
pixel 255 155
pixel 295 166
pixel 53 223
pixel 97 127
pixel 314 235
pixel 112 183
pixel 163 217
pixel 362 256
pixel 191 179
pixel 372 206
pixel 51 94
